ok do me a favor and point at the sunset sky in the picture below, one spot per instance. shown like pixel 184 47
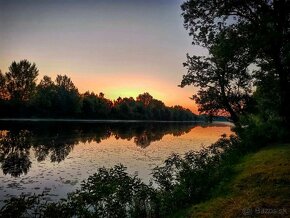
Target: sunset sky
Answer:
pixel 118 47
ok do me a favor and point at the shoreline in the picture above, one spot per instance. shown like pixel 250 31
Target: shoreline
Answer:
pixel 67 120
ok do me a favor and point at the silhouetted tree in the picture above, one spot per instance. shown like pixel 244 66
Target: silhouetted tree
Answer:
pixel 145 98
pixel 101 95
pixel 46 82
pixel 4 103
pixel 67 101
pixel 264 25
pixel 89 104
pixel 157 109
pixel 223 78
pixel 124 108
pixel 21 80
pixel 45 96
pixel 96 106
pixel 65 83
pixel 103 106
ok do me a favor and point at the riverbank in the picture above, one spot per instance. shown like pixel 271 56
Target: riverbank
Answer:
pixel 260 187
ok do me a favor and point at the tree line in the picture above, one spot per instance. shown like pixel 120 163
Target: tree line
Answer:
pixel 21 96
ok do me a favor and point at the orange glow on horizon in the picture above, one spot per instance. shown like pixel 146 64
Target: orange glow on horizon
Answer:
pixel 126 85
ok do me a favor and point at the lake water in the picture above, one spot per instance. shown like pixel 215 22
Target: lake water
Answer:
pixel 55 157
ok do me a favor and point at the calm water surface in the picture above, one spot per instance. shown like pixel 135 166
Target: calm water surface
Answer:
pixel 55 157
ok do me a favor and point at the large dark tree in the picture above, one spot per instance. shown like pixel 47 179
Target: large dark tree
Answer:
pixel 223 77
pixel 265 24
pixel 21 80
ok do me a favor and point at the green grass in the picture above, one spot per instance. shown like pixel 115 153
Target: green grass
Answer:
pixel 261 181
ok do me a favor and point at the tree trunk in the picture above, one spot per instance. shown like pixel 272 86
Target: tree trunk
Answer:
pixel 226 103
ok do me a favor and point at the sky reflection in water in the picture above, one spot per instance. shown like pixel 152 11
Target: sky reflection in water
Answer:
pixel 55 157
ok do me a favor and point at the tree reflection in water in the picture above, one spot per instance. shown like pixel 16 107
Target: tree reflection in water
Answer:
pixel 56 140
pixel 14 152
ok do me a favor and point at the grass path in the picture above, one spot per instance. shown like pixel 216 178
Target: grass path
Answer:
pixel 260 188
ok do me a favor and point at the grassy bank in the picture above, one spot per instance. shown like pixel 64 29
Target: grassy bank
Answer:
pixel 260 187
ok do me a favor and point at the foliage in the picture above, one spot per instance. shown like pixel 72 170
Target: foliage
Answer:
pixel 191 178
pixel 96 106
pixel 261 26
pixel 67 100
pixel 223 78
pixel 45 95
pixel 145 99
pixel 17 87
pixel 61 99
pixel 21 206
pixel 20 81
pixel 107 193
pixel 267 93
pixel 112 193
pixel 258 132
